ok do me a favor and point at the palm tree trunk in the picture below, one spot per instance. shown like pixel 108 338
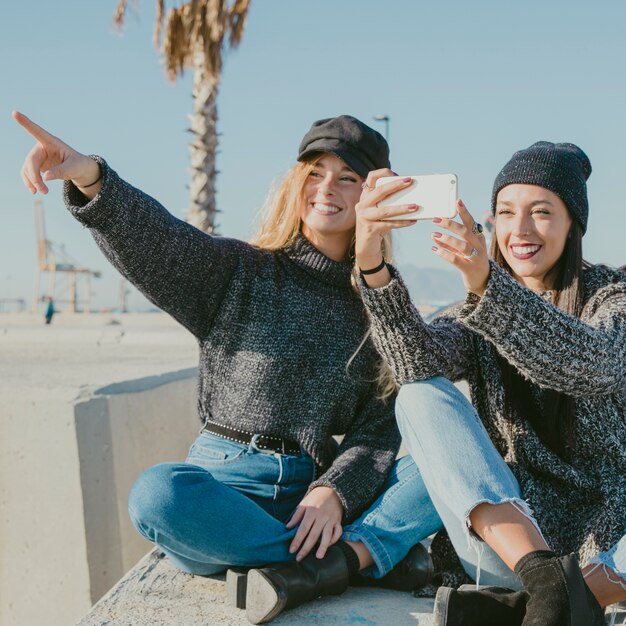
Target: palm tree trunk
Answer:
pixel 203 147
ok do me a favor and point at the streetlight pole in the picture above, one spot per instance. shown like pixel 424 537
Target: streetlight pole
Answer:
pixel 384 118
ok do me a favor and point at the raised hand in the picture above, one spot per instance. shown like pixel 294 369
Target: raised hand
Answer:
pixel 56 161
pixel 466 250
pixel 371 226
pixel 318 517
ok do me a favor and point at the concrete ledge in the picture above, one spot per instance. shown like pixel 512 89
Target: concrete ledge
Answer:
pixel 154 593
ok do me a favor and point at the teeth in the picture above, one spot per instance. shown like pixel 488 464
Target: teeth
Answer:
pixel 325 208
pixel 525 249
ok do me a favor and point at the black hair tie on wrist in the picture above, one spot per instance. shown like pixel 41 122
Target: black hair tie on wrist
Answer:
pixel 374 270
pixel 94 182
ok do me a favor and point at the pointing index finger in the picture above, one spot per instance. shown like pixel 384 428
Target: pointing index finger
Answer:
pixel 41 135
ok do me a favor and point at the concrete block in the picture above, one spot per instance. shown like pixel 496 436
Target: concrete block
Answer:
pixel 85 406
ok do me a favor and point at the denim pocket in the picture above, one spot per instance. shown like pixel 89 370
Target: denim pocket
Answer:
pixel 209 448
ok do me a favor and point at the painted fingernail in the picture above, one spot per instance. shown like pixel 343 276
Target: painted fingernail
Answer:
pixel 408 179
pixel 437 235
pixel 413 207
pixel 434 248
pixel 437 220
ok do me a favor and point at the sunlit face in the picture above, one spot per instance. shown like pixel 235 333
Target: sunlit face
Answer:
pixel 532 225
pixel 330 194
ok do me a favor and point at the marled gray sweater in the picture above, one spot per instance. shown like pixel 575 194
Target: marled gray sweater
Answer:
pixel 580 505
pixel 275 331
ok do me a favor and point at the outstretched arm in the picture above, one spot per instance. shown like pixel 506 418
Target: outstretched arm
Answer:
pixel 180 269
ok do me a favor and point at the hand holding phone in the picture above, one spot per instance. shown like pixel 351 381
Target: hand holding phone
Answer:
pixel 436 195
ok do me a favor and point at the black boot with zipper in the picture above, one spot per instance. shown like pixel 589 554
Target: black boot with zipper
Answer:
pixel 274 589
pixel 414 571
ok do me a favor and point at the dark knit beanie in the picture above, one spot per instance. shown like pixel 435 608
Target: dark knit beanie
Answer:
pixel 562 168
pixel 362 148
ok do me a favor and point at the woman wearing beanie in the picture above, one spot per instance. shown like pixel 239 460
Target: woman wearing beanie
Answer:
pixel 530 481
pixel 285 364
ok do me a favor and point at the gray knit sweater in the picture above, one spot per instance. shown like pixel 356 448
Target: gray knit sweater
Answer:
pixel 275 332
pixel 581 504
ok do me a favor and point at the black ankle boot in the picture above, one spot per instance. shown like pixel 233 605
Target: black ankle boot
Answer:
pixel 272 590
pixel 485 606
pixel 414 571
pixel 558 594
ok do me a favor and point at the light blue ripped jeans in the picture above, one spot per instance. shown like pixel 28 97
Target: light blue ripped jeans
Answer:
pixel 461 469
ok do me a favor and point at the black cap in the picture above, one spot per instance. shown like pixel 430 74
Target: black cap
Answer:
pixel 562 168
pixel 361 147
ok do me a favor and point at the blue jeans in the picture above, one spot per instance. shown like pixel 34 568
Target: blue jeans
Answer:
pixel 461 469
pixel 227 505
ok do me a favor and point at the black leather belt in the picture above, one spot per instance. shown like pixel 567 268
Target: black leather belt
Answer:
pixel 264 442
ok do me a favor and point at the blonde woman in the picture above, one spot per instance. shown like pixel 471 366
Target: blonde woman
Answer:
pixel 283 367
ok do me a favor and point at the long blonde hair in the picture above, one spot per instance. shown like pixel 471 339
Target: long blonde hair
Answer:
pixel 281 218
pixel 281 223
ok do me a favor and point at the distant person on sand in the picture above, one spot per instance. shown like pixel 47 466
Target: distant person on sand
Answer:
pixel 532 477
pixel 285 363
pixel 50 311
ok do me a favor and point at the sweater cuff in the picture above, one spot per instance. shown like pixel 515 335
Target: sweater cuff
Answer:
pixel 491 314
pixel 388 302
pixel 352 486
pixel 398 330
pixel 98 210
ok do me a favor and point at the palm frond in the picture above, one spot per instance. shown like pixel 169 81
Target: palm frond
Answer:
pixel 120 12
pixel 176 44
pixel 237 19
pixel 118 16
pixel 195 27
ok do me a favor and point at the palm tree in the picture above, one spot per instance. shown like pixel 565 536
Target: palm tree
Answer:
pixel 195 35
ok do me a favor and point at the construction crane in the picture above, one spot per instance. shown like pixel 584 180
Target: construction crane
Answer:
pixel 52 259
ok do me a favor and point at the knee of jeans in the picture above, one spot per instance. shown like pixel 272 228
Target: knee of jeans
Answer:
pixel 415 400
pixel 155 495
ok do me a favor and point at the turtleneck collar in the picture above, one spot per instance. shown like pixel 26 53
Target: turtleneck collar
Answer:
pixel 317 265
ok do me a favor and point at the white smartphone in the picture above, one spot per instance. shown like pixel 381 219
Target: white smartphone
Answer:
pixel 436 195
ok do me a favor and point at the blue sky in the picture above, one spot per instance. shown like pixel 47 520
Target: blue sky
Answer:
pixel 465 85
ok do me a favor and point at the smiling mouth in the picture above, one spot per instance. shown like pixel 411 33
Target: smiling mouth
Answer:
pixel 525 251
pixel 325 209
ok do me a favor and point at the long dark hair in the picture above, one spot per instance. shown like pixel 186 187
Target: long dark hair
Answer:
pixel 551 413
